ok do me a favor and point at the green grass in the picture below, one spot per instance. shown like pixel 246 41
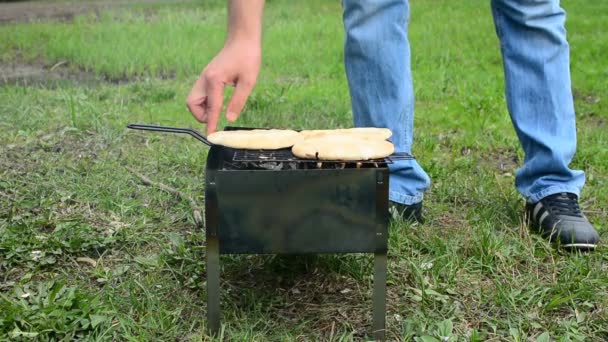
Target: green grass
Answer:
pixel 472 271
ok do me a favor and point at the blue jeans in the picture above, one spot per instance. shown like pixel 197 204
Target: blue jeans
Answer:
pixel 537 85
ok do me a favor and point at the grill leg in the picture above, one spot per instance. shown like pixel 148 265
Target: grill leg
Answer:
pixel 213 285
pixel 379 297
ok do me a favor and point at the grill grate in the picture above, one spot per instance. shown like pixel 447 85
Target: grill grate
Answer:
pixel 285 155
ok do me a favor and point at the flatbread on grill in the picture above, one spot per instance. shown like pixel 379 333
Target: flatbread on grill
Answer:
pixel 346 148
pixel 257 139
pixel 360 132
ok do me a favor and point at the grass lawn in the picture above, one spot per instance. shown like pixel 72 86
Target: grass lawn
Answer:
pixel 88 252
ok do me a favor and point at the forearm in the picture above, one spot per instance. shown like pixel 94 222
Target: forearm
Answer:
pixel 245 21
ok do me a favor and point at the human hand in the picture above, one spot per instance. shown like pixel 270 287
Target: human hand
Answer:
pixel 238 65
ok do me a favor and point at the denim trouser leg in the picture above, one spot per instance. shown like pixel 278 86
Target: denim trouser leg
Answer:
pixel 377 59
pixel 539 96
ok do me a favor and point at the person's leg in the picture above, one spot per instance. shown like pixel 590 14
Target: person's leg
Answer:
pixel 537 81
pixel 539 97
pixel 377 60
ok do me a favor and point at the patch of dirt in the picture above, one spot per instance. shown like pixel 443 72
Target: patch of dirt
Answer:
pixel 302 288
pixel 587 97
pixel 34 10
pixel 30 74
pixel 504 160
pixel 451 220
pixel 594 120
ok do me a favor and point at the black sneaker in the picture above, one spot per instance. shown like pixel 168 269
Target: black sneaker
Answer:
pixel 411 213
pixel 558 218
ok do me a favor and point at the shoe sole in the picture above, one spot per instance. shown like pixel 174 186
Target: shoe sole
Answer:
pixel 579 246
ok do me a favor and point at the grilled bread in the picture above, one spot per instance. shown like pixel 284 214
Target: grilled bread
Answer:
pixel 359 132
pixel 345 147
pixel 257 139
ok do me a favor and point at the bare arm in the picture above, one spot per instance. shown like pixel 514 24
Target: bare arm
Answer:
pixel 237 64
pixel 245 20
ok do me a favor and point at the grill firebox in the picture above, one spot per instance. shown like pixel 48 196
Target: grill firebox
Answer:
pixel 285 205
pixel 295 211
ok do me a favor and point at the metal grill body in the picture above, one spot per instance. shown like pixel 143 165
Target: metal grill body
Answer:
pixel 296 211
pixel 333 210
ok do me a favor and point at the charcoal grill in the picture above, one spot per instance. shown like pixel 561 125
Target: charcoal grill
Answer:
pixel 271 202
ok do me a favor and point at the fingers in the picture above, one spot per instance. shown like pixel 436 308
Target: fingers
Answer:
pixel 196 101
pixel 197 108
pixel 214 104
pixel 205 101
pixel 238 100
